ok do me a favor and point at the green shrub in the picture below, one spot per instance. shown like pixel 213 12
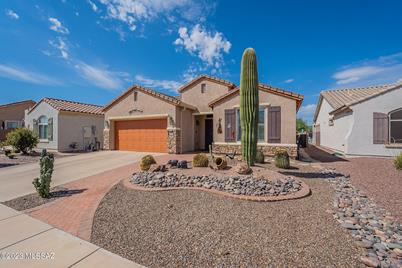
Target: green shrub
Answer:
pixel 398 162
pixel 22 139
pixel 259 157
pixel 200 160
pixel 282 159
pixel 11 155
pixel 7 152
pixel 42 184
pixel 146 162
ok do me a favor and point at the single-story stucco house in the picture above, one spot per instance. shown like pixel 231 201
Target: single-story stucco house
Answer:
pixel 360 121
pixel 66 125
pixel 12 116
pixel 205 113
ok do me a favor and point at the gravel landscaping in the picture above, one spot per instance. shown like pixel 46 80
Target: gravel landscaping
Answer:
pixel 34 200
pixel 237 185
pixel 191 228
pixel 372 227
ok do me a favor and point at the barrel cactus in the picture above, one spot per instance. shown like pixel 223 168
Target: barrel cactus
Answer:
pixel 249 105
pixel 282 159
pixel 146 162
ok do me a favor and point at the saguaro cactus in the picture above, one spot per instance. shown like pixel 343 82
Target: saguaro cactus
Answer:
pixel 249 105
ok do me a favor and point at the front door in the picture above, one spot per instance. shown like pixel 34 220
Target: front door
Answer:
pixel 208 133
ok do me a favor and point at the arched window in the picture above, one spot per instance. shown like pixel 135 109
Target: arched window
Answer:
pixel 395 126
pixel 42 126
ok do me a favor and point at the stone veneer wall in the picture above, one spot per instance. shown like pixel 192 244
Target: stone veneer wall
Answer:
pixel 267 149
pixel 173 140
pixel 106 139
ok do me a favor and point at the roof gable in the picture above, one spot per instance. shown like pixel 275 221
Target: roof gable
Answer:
pixel 70 106
pixel 200 78
pixel 172 100
pixel 277 91
pixel 343 99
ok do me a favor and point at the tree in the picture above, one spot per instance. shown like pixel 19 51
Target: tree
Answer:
pixel 302 126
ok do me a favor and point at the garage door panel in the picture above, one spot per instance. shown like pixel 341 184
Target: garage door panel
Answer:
pixel 141 135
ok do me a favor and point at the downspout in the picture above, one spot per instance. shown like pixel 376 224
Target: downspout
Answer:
pixel 181 130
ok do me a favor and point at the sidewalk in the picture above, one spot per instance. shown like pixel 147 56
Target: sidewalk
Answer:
pixel 37 244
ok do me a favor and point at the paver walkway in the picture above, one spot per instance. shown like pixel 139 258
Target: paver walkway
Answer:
pixel 17 180
pixel 74 214
pixel 37 244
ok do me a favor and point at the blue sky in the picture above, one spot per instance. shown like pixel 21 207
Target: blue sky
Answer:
pixel 92 50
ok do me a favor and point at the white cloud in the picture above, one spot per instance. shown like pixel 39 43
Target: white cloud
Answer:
pixel 93 6
pixel 12 14
pixel 55 25
pixel 61 46
pixel 386 69
pixel 99 76
pixel 306 112
pixel 207 46
pixel 164 84
pixel 19 74
pixel 134 12
pixel 291 80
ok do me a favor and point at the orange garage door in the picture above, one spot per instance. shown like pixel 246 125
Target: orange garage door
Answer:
pixel 141 135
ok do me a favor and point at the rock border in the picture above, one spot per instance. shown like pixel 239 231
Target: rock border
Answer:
pixel 303 192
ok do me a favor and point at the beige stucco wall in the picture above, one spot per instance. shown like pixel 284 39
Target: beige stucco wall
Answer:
pixel 45 109
pixel 193 95
pixel 145 105
pixel 71 129
pixel 185 121
pixel 288 115
pixel 12 113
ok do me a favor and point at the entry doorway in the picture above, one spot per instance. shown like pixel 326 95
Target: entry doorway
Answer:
pixel 209 125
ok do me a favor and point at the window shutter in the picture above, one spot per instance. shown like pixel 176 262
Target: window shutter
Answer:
pixel 274 124
pixel 230 125
pixel 50 129
pixel 380 128
pixel 35 127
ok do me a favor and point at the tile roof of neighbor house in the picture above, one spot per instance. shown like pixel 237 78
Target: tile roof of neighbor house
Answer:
pixel 71 106
pixel 227 83
pixel 297 97
pixel 170 99
pixel 6 105
pixel 341 99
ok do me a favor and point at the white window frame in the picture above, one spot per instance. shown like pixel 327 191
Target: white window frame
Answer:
pixel 43 124
pixel 12 121
pixel 265 124
pixel 389 125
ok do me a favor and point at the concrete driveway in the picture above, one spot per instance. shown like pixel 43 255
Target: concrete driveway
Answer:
pixel 16 181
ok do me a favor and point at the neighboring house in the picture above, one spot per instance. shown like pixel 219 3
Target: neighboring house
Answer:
pixel 360 121
pixel 12 116
pixel 205 113
pixel 66 125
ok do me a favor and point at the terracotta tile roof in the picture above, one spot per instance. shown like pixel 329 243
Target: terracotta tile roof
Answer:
pixel 71 106
pixel 170 99
pixel 340 99
pixel 17 103
pixel 209 78
pixel 297 97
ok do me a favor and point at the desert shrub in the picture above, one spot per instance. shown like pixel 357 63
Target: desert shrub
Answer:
pixel 11 155
pixel 7 152
pixel 42 184
pixel 22 139
pixel 200 160
pixel 398 162
pixel 146 162
pixel 259 157
pixel 282 159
